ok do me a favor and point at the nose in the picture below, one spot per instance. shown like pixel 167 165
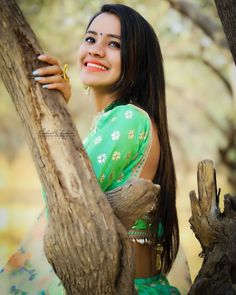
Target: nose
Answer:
pixel 97 49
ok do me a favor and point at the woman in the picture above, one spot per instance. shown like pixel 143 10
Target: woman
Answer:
pixel 120 60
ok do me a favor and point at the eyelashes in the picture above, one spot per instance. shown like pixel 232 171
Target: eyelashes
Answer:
pixel 112 44
pixel 90 40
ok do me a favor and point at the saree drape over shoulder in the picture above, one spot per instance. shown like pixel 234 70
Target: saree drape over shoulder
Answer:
pixel 117 145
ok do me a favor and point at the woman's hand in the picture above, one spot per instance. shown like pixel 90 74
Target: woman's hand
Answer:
pixel 50 76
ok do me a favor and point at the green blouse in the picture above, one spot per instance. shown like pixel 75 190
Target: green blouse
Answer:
pixel 117 145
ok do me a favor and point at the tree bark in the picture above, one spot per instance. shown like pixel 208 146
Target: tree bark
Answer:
pixel 85 242
pixel 227 12
pixel 216 233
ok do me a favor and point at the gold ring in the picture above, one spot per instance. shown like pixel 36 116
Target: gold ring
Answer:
pixel 64 72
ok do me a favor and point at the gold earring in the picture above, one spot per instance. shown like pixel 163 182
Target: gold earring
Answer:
pixel 159 250
pixel 87 89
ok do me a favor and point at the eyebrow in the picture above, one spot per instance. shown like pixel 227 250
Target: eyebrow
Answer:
pixel 109 35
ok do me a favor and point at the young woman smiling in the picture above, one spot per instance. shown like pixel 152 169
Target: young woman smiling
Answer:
pixel 121 61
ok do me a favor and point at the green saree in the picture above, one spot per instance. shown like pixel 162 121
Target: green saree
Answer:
pixel 117 145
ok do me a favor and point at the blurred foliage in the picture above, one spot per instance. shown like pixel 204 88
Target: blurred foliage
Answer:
pixel 206 4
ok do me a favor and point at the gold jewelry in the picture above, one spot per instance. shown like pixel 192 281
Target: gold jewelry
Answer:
pixel 87 89
pixel 64 72
pixel 159 250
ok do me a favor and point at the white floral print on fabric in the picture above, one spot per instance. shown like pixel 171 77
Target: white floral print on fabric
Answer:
pixel 102 158
pixel 128 114
pixel 115 135
pixel 98 139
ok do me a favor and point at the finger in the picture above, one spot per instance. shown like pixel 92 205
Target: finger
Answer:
pixel 49 79
pixel 61 87
pixel 49 59
pixel 58 86
pixel 50 70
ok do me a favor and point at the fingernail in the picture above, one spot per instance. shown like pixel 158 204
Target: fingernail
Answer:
pixel 45 86
pixel 41 56
pixel 35 72
pixel 37 78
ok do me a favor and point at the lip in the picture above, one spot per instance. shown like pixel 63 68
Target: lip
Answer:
pixel 95 62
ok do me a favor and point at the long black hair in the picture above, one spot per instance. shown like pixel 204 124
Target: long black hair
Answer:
pixel 142 81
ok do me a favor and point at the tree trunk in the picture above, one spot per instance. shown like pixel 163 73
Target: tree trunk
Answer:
pixel 227 12
pixel 85 242
pixel 216 233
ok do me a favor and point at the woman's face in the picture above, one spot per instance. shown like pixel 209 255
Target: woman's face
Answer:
pixel 99 53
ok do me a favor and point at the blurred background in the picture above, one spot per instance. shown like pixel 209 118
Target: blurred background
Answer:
pixel 200 80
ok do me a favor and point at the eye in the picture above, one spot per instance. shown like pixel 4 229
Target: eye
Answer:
pixel 89 40
pixel 114 44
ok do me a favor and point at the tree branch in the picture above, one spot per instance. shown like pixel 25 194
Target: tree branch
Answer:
pixel 216 234
pixel 210 65
pixel 227 13
pixel 207 24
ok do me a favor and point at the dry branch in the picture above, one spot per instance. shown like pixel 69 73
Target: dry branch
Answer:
pixel 216 233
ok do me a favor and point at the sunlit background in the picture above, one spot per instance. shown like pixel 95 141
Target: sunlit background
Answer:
pixel 200 98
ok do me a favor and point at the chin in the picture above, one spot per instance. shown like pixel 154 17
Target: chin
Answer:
pixel 90 81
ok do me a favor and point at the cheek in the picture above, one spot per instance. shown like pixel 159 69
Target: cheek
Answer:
pixel 118 65
pixel 81 55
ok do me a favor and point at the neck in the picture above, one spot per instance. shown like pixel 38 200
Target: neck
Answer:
pixel 102 100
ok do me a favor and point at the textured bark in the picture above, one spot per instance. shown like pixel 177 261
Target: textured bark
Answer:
pixel 227 151
pixel 207 24
pixel 130 201
pixel 227 12
pixel 216 233
pixel 85 242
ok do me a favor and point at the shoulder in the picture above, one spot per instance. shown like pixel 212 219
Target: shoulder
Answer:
pixel 129 114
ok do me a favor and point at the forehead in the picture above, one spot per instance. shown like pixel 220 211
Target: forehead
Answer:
pixel 106 23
